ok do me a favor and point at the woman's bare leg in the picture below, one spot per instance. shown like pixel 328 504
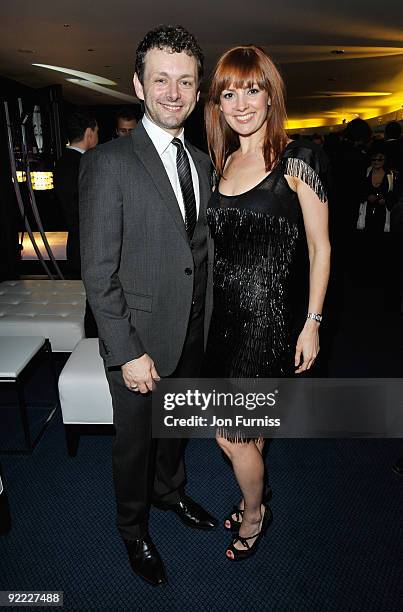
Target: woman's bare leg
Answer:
pixel 248 467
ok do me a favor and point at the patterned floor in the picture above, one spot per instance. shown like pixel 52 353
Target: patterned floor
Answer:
pixel 333 546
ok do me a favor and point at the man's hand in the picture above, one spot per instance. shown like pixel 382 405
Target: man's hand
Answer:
pixel 140 374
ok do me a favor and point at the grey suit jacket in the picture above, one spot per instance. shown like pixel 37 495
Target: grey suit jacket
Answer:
pixel 137 263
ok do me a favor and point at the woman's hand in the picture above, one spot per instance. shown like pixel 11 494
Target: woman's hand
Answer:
pixel 307 346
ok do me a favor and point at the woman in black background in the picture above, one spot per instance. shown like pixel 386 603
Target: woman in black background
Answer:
pixel 377 195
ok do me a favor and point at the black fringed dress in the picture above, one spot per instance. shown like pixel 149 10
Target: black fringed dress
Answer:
pixel 255 236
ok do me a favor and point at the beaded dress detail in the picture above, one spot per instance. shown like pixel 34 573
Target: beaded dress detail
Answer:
pixel 255 236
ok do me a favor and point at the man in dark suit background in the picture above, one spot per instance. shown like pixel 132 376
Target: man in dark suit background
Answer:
pixel 144 263
pixel 82 133
pixel 394 147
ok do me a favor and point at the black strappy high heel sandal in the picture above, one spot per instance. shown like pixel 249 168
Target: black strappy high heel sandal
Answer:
pixel 234 518
pixel 249 550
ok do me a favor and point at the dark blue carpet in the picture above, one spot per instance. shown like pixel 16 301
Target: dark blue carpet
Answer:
pixel 334 543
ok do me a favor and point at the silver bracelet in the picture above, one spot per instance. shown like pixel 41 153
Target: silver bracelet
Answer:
pixel 314 316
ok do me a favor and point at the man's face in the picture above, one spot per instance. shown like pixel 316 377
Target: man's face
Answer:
pixel 169 89
pixel 125 126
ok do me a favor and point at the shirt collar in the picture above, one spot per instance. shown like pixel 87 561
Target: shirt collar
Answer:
pixel 79 149
pixel 160 138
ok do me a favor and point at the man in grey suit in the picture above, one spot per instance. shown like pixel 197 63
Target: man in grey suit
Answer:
pixel 144 264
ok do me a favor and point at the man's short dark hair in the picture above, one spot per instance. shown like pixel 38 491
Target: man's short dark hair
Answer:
pixel 358 131
pixel 128 113
pixel 173 38
pixel 77 123
pixel 393 130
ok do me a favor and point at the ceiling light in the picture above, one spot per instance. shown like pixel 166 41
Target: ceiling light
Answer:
pixel 94 78
pixel 310 122
pixel 346 94
pixel 353 94
pixel 103 90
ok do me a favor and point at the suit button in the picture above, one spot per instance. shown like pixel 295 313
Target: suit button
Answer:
pixel 188 271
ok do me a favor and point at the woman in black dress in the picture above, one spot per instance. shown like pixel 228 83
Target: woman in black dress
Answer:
pixel 377 195
pixel 268 190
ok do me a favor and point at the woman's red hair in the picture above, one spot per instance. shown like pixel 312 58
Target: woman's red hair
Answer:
pixel 245 66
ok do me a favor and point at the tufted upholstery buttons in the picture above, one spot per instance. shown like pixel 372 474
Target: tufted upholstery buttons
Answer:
pixel 53 309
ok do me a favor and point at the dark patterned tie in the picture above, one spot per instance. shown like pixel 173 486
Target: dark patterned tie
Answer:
pixel 186 183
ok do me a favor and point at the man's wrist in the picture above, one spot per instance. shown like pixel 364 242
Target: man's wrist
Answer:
pixel 133 360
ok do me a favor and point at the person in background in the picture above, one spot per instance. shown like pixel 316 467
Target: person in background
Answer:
pixel 377 195
pixel 380 250
pixel 351 167
pixel 126 121
pixel 82 134
pixel 394 146
pixel 318 139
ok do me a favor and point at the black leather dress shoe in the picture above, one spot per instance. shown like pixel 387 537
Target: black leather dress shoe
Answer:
pixel 190 513
pixel 398 467
pixel 145 561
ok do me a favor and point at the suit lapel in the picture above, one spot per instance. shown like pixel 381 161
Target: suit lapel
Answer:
pixel 151 161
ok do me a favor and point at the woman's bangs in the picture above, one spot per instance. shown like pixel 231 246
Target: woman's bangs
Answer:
pixel 241 69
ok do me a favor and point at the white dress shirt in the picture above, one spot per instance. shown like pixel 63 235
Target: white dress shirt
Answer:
pixel 79 149
pixel 167 151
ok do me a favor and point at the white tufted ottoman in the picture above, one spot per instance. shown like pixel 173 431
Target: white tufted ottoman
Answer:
pixel 53 309
pixel 84 392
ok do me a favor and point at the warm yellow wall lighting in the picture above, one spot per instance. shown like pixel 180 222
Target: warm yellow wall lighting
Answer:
pixel 42 181
pixel 293 124
pixel 348 94
pixel 21 176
